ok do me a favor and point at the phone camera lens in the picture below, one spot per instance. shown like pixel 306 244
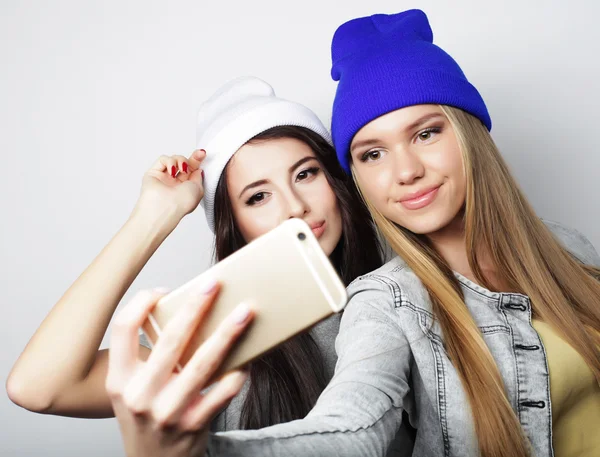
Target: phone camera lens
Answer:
pixel 301 236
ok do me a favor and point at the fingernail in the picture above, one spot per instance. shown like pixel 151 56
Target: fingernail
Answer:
pixel 202 150
pixel 241 313
pixel 209 286
pixel 173 171
pixel 202 175
pixel 184 166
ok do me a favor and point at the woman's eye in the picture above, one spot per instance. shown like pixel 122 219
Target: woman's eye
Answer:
pixel 256 198
pixel 371 156
pixel 305 174
pixel 428 134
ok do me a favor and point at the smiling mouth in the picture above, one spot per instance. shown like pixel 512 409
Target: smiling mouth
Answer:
pixel 421 200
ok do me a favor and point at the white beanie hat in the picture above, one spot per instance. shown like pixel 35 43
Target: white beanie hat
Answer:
pixel 236 113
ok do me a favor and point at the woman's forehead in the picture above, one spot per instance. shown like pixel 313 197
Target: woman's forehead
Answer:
pixel 265 159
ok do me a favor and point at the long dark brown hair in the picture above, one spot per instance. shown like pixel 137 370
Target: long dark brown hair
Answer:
pixel 286 382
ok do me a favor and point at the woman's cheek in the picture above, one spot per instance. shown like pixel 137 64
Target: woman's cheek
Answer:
pixel 254 222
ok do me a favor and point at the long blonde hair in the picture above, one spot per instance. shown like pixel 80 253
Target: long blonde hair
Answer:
pixel 500 224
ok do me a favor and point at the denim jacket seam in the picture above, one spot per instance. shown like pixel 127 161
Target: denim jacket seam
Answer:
pixel 548 397
pixel 490 329
pixel 326 432
pixel 437 349
pixel 400 299
pixel 516 365
pixel 490 295
pixel 339 383
pixel 494 296
pixel 548 400
pixel 375 274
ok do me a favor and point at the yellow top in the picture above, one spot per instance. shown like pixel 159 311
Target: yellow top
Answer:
pixel 575 396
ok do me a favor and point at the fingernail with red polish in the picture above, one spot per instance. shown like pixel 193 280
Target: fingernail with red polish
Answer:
pixel 173 171
pixel 184 166
pixel 202 175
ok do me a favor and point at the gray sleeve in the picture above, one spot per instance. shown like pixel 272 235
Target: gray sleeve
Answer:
pixel 360 411
pixel 143 340
pixel 575 242
pixel 324 334
pixel 229 418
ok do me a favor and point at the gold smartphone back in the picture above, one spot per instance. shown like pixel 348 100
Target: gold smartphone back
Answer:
pixel 283 275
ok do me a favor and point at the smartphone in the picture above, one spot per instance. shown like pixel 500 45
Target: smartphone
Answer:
pixel 284 275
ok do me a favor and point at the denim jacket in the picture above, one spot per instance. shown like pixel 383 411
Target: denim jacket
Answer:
pixel 393 374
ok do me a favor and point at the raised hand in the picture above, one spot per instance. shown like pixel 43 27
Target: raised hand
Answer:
pixel 173 185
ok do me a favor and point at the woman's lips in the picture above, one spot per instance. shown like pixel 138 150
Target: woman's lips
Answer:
pixel 318 229
pixel 420 199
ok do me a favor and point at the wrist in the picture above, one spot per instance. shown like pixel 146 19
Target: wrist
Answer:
pixel 157 222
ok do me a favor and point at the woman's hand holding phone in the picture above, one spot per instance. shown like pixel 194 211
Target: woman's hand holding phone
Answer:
pixel 162 412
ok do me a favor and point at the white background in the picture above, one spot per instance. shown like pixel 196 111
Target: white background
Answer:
pixel 92 92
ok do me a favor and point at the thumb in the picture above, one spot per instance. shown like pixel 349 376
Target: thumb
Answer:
pixel 195 160
pixel 197 177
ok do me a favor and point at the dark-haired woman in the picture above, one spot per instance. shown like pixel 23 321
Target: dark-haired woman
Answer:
pixel 260 160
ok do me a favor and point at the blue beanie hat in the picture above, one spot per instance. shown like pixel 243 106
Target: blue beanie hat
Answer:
pixel 387 62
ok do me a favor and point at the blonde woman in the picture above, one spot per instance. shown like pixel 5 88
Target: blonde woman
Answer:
pixel 485 329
